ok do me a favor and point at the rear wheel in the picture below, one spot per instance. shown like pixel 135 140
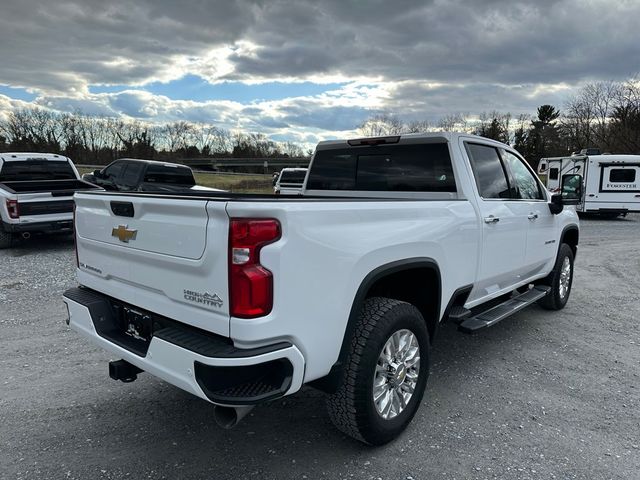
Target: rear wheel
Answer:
pixel 560 280
pixel 6 238
pixel 385 373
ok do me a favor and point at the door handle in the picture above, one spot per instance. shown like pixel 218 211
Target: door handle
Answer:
pixel 532 216
pixel 491 219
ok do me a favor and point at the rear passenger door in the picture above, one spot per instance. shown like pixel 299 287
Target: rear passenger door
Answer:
pixel 504 226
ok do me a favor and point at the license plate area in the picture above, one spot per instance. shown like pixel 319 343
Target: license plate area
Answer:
pixel 131 328
pixel 137 325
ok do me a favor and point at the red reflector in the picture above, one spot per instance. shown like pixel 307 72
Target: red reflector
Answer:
pixel 250 284
pixel 13 209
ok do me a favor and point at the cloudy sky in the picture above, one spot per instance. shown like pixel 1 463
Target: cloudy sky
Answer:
pixel 306 70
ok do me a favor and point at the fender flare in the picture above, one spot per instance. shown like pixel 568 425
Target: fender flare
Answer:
pixel 331 382
pixel 567 229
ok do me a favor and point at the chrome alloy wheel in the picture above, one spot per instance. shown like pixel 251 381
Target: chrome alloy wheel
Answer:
pixel 396 374
pixel 565 277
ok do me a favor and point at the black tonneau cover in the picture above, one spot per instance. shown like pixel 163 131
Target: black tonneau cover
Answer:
pixel 58 188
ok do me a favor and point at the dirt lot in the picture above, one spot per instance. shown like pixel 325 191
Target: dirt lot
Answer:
pixel 540 395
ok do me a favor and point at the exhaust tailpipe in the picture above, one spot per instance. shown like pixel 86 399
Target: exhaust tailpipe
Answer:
pixel 228 417
pixel 26 235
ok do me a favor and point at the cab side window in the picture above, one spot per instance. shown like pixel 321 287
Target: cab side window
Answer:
pixel 131 175
pixel 113 171
pixel 526 186
pixel 491 176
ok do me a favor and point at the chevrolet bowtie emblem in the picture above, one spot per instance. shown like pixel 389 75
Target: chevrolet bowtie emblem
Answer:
pixel 123 233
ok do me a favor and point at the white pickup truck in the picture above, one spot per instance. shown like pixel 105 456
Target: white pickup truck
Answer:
pixel 240 299
pixel 290 181
pixel 36 194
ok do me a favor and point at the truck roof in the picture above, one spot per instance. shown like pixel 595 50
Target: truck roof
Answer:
pixel 24 156
pixel 408 138
pixel 153 162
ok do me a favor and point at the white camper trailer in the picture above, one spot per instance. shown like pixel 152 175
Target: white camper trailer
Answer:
pixel 611 183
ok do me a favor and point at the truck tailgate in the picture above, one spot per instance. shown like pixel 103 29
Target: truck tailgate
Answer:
pixel 44 200
pixel 166 256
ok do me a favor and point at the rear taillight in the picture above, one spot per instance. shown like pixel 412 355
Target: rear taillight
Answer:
pixel 13 209
pixel 250 284
pixel 75 235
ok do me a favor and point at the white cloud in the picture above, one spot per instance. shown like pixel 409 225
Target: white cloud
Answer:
pixel 418 59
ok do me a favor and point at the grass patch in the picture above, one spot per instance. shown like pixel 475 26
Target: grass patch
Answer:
pixel 236 183
pixel 232 183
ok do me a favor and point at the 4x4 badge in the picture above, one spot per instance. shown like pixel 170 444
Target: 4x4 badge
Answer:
pixel 123 233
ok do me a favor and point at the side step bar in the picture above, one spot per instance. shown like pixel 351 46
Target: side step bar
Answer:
pixel 505 309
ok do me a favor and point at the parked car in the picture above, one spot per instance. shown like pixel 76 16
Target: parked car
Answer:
pixel 137 175
pixel 610 183
pixel 241 299
pixel 290 181
pixel 36 194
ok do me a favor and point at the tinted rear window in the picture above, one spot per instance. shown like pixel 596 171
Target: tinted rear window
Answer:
pixel 399 168
pixel 36 170
pixel 169 175
pixel 293 177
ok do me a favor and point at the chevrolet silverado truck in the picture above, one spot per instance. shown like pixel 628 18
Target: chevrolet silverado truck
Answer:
pixel 36 194
pixel 241 299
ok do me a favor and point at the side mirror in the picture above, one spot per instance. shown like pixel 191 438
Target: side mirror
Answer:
pixel 571 189
pixel 571 193
pixel 556 205
pixel 97 173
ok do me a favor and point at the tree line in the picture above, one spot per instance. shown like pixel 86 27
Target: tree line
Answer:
pixel 99 140
pixel 604 115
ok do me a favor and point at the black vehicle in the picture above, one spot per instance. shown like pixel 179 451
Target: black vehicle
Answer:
pixel 137 175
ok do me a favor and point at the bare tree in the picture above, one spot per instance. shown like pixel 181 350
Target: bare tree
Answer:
pixel 417 126
pixel 495 125
pixel 176 135
pixel 381 125
pixel 291 149
pixel 576 122
pixel 454 122
pixel 601 97
pixel 624 127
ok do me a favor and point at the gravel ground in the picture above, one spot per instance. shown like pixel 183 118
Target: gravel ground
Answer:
pixel 541 395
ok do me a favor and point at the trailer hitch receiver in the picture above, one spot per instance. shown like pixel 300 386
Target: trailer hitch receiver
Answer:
pixel 123 371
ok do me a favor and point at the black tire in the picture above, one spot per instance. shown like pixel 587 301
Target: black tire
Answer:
pixel 6 238
pixel 351 407
pixel 555 300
